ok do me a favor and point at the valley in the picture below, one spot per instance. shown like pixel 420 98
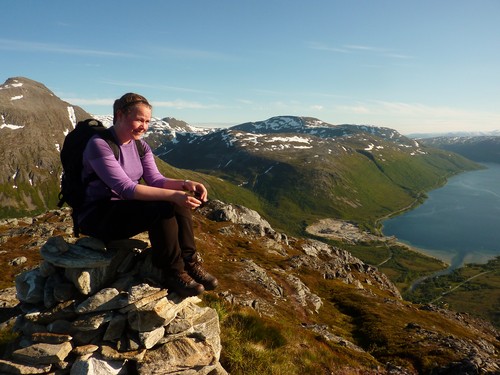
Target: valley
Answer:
pixel 315 263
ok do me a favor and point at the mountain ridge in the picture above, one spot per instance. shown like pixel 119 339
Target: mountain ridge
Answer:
pixel 480 148
pixel 337 162
pixel 37 121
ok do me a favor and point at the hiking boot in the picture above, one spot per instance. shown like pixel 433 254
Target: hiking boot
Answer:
pixel 184 285
pixel 197 272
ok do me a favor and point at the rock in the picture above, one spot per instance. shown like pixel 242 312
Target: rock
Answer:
pixel 105 299
pixel 18 261
pixel 108 352
pixel 64 291
pixel 92 321
pixel 219 211
pixel 153 315
pixel 96 365
pixel 84 350
pixel 7 367
pixel 151 338
pixel 110 317
pixel 8 298
pixel 191 341
pixel 259 275
pixel 303 294
pixel 30 286
pixel 42 353
pixel 133 245
pixel 55 245
pixel 175 356
pixel 50 338
pixel 92 244
pixel 64 310
pixel 116 327
pixel 76 257
pixel 87 281
pixel 46 269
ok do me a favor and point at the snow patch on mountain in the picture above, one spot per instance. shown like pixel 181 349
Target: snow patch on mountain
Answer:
pixel 9 126
pixel 12 85
pixel 72 115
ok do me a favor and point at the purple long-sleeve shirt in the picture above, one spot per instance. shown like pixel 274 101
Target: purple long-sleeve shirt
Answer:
pixel 118 177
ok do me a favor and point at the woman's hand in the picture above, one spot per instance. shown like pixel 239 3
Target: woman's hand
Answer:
pixel 185 199
pixel 197 189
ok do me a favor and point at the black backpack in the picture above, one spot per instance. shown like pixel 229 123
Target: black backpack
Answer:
pixel 72 185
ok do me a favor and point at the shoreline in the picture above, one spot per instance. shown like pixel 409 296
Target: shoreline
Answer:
pixel 346 231
pixel 337 229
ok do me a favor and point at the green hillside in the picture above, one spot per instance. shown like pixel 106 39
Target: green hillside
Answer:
pixel 295 192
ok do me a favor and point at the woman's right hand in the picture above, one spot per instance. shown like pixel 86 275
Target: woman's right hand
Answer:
pixel 184 199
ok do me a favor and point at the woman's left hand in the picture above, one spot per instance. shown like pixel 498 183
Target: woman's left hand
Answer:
pixel 198 189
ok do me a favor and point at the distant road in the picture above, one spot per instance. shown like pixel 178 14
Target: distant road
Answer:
pixel 459 285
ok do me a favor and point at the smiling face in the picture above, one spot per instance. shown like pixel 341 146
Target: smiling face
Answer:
pixel 133 122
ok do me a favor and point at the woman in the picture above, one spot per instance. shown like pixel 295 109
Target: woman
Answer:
pixel 118 206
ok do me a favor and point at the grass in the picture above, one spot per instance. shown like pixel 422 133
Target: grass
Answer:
pixel 7 338
pixel 254 345
pixel 386 331
pixel 473 289
pixel 400 263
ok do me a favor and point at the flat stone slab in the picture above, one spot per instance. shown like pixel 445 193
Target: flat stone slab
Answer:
pixel 78 257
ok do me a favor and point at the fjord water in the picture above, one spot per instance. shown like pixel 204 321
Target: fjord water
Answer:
pixel 459 222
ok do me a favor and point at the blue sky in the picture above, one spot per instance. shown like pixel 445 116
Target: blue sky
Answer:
pixel 415 66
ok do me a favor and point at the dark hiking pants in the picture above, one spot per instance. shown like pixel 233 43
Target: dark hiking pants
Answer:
pixel 170 228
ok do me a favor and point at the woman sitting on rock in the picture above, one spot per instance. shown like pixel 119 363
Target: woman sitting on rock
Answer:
pixel 118 206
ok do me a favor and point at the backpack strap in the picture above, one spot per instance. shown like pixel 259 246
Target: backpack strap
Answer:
pixel 140 148
pixel 110 139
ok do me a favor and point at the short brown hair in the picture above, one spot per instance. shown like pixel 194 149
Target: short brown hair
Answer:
pixel 127 101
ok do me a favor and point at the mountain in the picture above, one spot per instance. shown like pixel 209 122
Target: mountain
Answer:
pixel 490 133
pixel 297 169
pixel 480 148
pixel 305 168
pixel 33 125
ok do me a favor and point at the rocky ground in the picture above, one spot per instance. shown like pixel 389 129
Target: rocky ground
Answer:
pixel 349 306
pixel 343 231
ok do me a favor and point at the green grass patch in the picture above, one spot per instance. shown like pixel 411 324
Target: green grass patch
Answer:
pixel 472 289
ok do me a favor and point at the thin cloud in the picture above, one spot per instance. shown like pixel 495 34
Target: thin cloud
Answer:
pixel 317 107
pixel 420 111
pixel 245 101
pixel 413 109
pixel 358 109
pixel 353 48
pixel 25 46
pixel 181 104
pixel 154 86
pixel 402 109
pixel 177 104
pixel 399 56
pixel 197 54
pixel 364 48
pixel 323 47
pixel 84 102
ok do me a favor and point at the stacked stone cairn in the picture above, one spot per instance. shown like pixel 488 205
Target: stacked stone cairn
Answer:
pixel 95 309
